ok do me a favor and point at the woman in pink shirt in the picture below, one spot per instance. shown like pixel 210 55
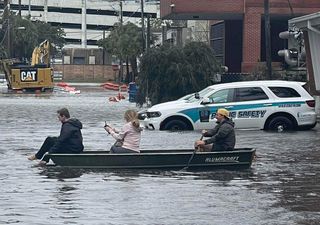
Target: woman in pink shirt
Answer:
pixel 129 135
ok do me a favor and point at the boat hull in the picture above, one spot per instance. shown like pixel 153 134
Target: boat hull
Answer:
pixel 157 159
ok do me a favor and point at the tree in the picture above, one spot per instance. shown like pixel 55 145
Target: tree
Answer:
pixel 24 37
pixel 54 35
pixel 27 34
pixel 124 41
pixel 168 72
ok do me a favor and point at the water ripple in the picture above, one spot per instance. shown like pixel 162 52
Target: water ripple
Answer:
pixel 280 188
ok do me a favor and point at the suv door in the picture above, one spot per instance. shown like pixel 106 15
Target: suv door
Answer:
pixel 252 107
pixel 219 99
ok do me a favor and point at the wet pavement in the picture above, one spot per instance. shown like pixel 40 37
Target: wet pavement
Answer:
pixel 282 187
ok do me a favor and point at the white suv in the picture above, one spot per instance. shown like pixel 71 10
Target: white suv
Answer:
pixel 269 105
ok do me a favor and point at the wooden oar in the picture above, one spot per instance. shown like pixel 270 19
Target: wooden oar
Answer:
pixel 194 152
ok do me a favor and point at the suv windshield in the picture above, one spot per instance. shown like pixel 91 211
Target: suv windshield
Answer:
pixel 202 93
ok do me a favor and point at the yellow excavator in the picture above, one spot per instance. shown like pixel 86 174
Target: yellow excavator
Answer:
pixel 35 77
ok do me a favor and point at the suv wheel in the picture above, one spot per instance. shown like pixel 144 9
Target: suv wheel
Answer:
pixel 280 123
pixel 174 125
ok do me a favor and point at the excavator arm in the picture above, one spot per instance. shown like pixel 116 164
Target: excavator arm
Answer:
pixel 41 54
pixel 37 76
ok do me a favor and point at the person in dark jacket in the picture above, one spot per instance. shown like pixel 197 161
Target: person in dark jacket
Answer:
pixel 69 140
pixel 222 136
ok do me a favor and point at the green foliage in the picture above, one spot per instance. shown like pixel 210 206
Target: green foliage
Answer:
pixel 123 41
pixel 23 40
pixel 3 53
pixel 169 72
pixel 55 35
pixel 25 35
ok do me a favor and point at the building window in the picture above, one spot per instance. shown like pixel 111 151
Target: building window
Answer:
pixel 217 36
pixel 92 59
pixel 66 59
pixel 79 60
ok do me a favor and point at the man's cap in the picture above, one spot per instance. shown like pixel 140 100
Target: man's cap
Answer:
pixel 223 112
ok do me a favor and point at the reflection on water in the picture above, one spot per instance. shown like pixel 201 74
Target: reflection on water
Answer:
pixel 60 172
pixel 280 188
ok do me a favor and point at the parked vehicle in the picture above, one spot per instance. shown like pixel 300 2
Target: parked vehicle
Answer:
pixel 37 76
pixel 186 98
pixel 268 105
pixel 203 92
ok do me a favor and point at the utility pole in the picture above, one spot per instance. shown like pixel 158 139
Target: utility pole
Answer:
pixel 20 8
pixel 9 37
pixel 268 38
pixel 148 33
pixel 121 60
pixel 84 24
pixel 29 8
pixel 142 25
pixel 121 13
pixel 6 18
pixel 104 50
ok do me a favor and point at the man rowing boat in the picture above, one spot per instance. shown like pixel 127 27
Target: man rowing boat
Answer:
pixel 222 137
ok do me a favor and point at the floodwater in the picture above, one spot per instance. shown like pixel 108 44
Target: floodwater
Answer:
pixel 281 188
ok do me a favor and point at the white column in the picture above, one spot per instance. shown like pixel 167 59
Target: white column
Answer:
pixel 84 24
pixel 45 8
pixel 29 8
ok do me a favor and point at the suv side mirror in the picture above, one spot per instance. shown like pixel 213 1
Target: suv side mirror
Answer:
pixel 196 95
pixel 206 101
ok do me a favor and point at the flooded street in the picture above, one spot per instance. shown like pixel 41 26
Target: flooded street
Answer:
pixel 281 188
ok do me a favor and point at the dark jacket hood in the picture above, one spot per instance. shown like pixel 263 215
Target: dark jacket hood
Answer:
pixel 228 121
pixel 75 122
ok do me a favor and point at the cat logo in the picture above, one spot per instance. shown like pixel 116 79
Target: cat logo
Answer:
pixel 28 75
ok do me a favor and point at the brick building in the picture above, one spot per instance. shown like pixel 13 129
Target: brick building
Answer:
pixel 237 26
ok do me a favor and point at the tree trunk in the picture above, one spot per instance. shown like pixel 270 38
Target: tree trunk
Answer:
pixel 128 78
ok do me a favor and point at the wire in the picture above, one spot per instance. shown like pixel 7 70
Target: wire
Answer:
pixel 4 37
pixel 291 9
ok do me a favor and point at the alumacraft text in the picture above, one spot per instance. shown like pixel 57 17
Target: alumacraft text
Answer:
pixel 223 159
